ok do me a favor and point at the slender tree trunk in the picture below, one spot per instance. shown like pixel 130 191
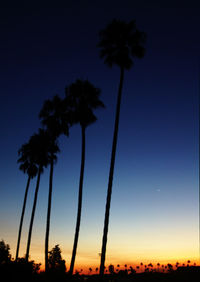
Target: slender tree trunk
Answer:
pixel 79 203
pixel 22 217
pixel 32 215
pixel 48 216
pixel 112 164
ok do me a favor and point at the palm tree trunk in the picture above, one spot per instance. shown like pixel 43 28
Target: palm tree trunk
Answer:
pixel 48 216
pixel 32 215
pixel 22 217
pixel 79 203
pixel 112 164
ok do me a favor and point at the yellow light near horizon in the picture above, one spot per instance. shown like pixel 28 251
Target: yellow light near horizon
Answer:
pixel 128 246
pixel 154 252
pixel 85 261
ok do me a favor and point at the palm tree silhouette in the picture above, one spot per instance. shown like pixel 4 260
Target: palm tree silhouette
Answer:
pixel 55 116
pixel 170 267
pixel 52 115
pixel 177 264
pixel 27 166
pixel 150 265
pixel 40 155
pixel 120 42
pixel 82 97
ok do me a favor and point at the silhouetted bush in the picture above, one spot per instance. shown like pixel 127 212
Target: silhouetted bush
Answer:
pixel 5 256
pixel 56 263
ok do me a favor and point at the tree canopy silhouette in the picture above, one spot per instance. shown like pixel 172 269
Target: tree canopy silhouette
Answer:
pixel 55 261
pixel 55 116
pixel 5 255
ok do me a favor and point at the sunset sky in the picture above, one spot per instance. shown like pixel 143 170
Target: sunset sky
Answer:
pixel 155 201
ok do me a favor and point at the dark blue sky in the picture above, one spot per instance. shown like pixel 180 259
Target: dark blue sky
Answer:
pixel 43 49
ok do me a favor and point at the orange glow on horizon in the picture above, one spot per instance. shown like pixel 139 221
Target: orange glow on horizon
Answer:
pixel 84 268
pixel 123 248
pixel 88 258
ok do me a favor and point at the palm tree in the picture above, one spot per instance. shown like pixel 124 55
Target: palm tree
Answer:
pixel 170 267
pixel 55 116
pixel 52 115
pixel 82 97
pixel 150 265
pixel 177 264
pixel 120 42
pixel 40 155
pixel 28 167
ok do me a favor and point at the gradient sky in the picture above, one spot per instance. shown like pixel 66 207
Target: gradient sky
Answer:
pixel 155 200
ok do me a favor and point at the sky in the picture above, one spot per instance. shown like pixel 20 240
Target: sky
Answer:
pixel 154 213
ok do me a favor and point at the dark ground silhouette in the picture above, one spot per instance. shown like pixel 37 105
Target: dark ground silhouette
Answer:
pixel 23 271
pixel 20 270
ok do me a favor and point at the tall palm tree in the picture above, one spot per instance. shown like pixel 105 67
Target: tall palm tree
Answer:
pixel 52 115
pixel 40 155
pixel 120 42
pixel 82 97
pixel 53 158
pixel 30 168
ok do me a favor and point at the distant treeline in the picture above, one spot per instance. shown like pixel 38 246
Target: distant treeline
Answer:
pixel 21 270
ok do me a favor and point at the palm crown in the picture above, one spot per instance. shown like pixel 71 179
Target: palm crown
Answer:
pixel 120 42
pixel 27 164
pixel 43 149
pixel 55 116
pixel 82 98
